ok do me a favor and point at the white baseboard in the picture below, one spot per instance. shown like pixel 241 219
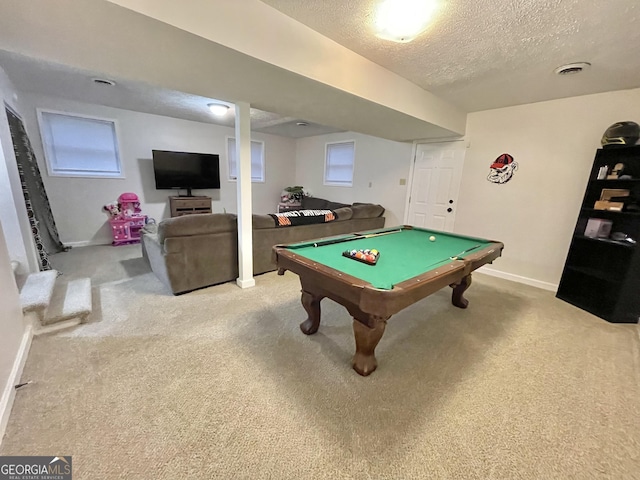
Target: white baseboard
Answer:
pixel 55 327
pixel 87 243
pixel 552 287
pixel 9 393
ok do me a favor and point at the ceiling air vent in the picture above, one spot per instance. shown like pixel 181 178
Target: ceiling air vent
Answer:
pixel 572 68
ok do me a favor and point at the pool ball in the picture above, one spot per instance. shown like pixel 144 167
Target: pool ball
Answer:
pixel 374 252
pixel 432 238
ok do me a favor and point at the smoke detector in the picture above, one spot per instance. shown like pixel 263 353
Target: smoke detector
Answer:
pixel 572 68
pixel 302 124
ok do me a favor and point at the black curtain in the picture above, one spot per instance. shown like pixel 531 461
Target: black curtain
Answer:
pixel 43 226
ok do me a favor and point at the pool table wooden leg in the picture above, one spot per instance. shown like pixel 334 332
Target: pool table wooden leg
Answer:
pixel 458 290
pixel 364 361
pixel 311 303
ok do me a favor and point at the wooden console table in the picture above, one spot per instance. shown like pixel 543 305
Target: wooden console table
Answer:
pixel 189 205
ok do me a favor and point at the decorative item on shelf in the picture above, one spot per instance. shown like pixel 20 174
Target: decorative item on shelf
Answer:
pixel 602 172
pixel 621 134
pixel 598 228
pixel 616 172
pixel 609 193
pixel 612 199
pixel 608 205
pixel 622 237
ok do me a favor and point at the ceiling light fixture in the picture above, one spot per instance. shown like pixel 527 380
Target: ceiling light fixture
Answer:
pixel 218 109
pixel 103 81
pixel 572 68
pixel 403 20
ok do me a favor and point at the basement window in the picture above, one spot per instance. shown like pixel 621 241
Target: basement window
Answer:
pixel 338 165
pixel 257 160
pixel 79 146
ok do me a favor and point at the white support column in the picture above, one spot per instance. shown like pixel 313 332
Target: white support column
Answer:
pixel 245 230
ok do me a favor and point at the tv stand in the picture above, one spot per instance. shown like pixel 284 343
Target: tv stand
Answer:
pixel 189 205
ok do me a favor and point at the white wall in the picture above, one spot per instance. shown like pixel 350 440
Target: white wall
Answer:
pixel 534 214
pixel 16 244
pixel 12 334
pixel 77 202
pixel 378 162
pixel 554 144
pixel 13 212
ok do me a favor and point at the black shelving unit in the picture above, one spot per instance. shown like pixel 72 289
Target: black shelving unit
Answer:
pixel 602 275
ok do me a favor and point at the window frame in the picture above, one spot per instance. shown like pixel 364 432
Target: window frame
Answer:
pixel 43 125
pixel 263 163
pixel 326 158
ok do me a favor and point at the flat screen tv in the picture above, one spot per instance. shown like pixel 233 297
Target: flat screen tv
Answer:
pixel 184 170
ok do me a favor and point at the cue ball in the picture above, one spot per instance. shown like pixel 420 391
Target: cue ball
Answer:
pixel 432 238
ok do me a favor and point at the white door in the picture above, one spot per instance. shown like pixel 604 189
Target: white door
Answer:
pixel 435 185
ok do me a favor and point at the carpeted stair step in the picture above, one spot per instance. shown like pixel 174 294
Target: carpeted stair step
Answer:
pixel 70 303
pixel 36 292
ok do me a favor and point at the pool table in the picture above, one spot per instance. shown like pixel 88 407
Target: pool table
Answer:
pixel 412 264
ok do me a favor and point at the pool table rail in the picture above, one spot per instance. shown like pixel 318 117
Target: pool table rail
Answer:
pixel 380 301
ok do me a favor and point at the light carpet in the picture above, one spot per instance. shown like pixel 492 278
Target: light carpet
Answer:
pixel 221 383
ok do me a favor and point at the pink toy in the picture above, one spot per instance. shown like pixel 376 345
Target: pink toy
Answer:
pixel 126 220
pixel 129 204
pixel 113 209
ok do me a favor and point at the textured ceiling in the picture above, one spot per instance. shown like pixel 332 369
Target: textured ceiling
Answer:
pixel 476 55
pixel 46 78
pixel 484 54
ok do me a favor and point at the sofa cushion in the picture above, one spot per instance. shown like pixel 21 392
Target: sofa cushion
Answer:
pixel 343 213
pixel 366 210
pixel 262 221
pixel 313 203
pixel 199 224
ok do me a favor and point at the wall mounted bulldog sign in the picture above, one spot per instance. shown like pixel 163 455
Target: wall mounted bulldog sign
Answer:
pixel 502 169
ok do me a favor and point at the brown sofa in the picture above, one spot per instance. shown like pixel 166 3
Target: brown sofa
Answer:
pixel 196 251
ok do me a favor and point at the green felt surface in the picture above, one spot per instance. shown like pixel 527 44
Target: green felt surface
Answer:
pixel 403 255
